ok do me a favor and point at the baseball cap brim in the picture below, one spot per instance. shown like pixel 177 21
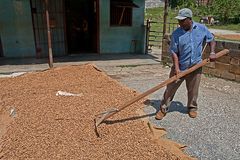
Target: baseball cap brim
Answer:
pixel 180 17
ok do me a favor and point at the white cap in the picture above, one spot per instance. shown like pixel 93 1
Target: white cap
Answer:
pixel 184 13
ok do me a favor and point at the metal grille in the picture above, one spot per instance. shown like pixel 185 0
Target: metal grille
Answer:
pixel 56 13
pixel 120 16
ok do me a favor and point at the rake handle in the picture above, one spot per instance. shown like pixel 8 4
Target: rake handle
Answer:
pixel 164 83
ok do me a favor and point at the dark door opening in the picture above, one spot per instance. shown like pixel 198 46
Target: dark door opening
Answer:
pixel 81 26
pixel 1 49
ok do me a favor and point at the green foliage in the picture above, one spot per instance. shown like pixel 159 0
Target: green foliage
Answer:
pixel 154 13
pixel 182 3
pixel 173 3
pixel 226 9
pixel 157 14
pixel 202 11
pixel 186 4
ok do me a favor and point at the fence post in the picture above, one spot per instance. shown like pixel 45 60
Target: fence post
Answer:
pixel 165 17
pixel 147 36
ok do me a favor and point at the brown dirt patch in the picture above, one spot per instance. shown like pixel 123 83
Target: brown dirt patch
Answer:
pixel 228 36
pixel 47 126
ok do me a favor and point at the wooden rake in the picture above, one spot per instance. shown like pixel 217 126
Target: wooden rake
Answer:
pixel 109 113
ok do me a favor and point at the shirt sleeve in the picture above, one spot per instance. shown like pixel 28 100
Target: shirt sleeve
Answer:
pixel 209 35
pixel 173 45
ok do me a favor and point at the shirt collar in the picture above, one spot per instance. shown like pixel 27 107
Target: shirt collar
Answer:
pixel 194 25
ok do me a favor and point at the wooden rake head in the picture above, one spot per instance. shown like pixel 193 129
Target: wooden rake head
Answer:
pixel 103 116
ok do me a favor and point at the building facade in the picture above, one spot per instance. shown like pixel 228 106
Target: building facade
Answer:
pixel 76 27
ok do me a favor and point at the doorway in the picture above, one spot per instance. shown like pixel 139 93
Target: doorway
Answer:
pixel 82 26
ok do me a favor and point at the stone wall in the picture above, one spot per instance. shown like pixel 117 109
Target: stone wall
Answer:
pixel 226 67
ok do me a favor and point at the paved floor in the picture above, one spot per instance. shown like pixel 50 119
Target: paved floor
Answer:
pixel 221 31
pixel 8 66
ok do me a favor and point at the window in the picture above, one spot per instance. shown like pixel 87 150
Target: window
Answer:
pixel 121 12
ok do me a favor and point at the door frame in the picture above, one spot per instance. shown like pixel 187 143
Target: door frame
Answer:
pixel 1 48
pixel 98 27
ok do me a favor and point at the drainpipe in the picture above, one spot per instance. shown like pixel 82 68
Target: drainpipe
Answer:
pixel 50 55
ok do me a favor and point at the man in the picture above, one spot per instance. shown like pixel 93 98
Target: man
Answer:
pixel 186 51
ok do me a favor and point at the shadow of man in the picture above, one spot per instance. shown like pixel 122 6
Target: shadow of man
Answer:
pixel 175 106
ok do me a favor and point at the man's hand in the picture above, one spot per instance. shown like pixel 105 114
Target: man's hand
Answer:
pixel 212 57
pixel 177 70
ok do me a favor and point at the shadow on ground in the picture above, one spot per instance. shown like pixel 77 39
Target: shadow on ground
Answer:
pixel 175 106
pixel 75 58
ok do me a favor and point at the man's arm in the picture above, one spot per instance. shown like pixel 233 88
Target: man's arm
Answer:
pixel 210 40
pixel 176 63
pixel 212 55
pixel 173 51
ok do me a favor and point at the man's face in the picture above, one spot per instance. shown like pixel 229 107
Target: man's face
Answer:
pixel 185 23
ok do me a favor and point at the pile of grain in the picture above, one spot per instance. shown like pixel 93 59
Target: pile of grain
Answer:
pixel 46 126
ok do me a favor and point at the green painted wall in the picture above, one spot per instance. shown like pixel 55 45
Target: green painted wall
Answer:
pixel 16 28
pixel 119 39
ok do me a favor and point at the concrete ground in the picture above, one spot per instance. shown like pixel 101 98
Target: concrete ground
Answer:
pixel 221 31
pixel 8 66
pixel 214 134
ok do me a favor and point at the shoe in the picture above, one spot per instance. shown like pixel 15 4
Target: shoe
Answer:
pixel 160 115
pixel 192 114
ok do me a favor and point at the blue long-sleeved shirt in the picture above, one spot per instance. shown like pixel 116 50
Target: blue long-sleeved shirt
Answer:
pixel 188 44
